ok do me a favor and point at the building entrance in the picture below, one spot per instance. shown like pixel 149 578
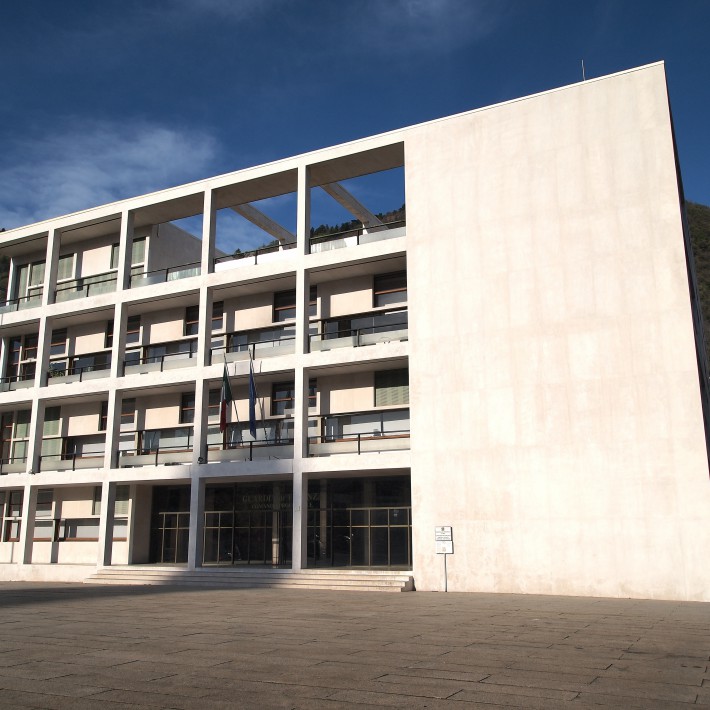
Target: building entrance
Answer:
pixel 170 524
pixel 248 524
pixel 360 522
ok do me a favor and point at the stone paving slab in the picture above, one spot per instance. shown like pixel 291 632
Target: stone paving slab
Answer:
pixel 84 647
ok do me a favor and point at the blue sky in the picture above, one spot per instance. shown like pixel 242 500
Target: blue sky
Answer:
pixel 105 100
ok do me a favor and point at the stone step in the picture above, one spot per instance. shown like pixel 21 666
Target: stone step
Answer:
pixel 354 580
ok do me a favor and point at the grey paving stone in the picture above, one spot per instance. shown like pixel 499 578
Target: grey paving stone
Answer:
pixel 179 648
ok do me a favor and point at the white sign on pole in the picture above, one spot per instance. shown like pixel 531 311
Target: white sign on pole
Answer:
pixel 444 547
pixel 442 533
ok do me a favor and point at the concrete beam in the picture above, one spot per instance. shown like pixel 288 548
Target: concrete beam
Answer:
pixel 264 222
pixel 356 208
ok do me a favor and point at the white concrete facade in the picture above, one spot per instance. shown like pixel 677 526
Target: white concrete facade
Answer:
pixel 553 414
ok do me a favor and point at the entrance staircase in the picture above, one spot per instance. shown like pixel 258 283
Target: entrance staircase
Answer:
pixel 220 577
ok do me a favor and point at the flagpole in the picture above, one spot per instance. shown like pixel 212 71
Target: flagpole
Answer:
pixel 256 394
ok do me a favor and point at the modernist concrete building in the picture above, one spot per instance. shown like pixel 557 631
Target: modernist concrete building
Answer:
pixel 517 361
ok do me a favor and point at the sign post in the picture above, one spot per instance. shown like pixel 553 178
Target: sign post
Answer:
pixel 444 541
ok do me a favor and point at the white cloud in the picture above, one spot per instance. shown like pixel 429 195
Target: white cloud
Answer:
pixel 92 163
pixel 232 9
pixel 405 26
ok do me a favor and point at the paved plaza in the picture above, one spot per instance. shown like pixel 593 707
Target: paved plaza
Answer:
pixel 80 646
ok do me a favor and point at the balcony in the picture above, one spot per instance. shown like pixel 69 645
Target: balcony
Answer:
pixel 85 286
pixel 361 433
pixel 266 342
pixel 18 464
pixel 19 304
pixel 274 440
pixel 263 255
pixel 167 447
pixel 361 329
pixel 159 276
pixel 160 357
pixel 79 452
pixel 355 237
pixel 17 382
pixel 79 368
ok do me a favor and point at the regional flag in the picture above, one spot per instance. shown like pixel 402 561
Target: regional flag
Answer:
pixel 225 399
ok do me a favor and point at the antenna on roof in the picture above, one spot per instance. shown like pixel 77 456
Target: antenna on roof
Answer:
pixel 584 78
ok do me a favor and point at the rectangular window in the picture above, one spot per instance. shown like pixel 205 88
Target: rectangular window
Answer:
pixel 128 411
pixel 30 347
pixel 108 339
pixel 187 408
pixel 390 289
pixel 103 416
pixel 50 426
pixel 44 503
pixel 59 342
pixel 122 499
pixel 313 301
pixel 312 393
pixel 36 274
pixel 79 529
pixel 65 267
pixel 192 320
pixel 138 251
pixel 14 504
pixel 217 316
pixel 22 424
pixel 391 387
pixel 133 329
pixel 284 305
pixel 214 402
pixel 12 531
pixel 282 397
pixel 114 256
pixel 96 503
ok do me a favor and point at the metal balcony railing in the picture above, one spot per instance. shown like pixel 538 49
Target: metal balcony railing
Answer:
pixel 14 382
pixel 268 347
pixel 19 304
pixel 361 432
pixel 85 286
pixel 168 446
pixel 273 252
pixel 16 464
pixel 355 237
pixel 71 462
pixel 364 329
pixel 172 273
pixel 75 374
pixel 165 361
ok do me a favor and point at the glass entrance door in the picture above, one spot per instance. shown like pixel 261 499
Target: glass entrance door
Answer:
pixel 248 524
pixel 360 522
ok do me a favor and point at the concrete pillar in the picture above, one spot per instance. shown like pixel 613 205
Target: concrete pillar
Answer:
pixel 299 556
pixel 125 249
pixel 209 226
pixel 118 349
pixel 199 430
pixel 197 522
pixel 34 444
pixel 303 211
pixel 204 336
pixel 113 429
pixel 50 267
pixel 108 509
pixel 44 339
pixel 27 526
